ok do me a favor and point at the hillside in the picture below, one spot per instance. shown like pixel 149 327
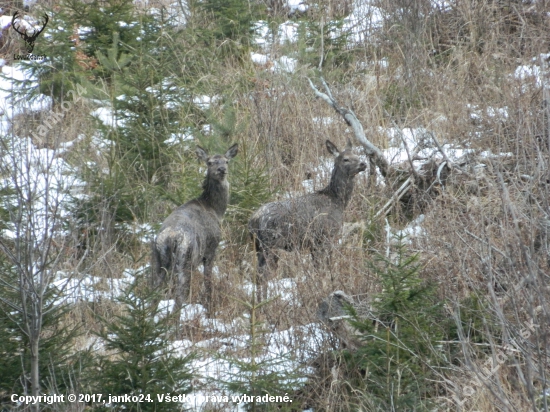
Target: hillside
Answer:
pixel 433 296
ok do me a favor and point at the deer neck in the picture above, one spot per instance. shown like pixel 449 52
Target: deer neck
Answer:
pixel 215 195
pixel 340 187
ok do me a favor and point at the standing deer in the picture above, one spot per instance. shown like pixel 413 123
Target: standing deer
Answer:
pixel 190 235
pixel 309 222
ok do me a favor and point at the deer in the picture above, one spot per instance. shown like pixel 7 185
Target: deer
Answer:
pixel 190 235
pixel 29 40
pixel 310 222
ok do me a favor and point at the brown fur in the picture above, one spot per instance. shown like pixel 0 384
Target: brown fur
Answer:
pixel 190 235
pixel 309 222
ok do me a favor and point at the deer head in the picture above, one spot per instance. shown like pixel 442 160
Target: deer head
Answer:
pixel 29 40
pixel 346 161
pixel 217 164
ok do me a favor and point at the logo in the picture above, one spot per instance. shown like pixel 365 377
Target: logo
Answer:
pixel 29 40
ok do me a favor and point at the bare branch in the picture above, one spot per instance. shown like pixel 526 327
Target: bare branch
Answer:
pixel 500 252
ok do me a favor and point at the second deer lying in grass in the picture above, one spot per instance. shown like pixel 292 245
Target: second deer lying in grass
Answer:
pixel 310 222
pixel 190 235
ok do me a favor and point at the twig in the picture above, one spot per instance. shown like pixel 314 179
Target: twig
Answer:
pixel 396 196
pixel 439 169
pixel 450 163
pixel 322 46
pixel 491 246
pixel 402 136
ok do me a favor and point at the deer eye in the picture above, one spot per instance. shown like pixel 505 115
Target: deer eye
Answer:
pixel 346 159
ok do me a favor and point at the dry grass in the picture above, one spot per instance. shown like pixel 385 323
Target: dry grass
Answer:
pixel 480 231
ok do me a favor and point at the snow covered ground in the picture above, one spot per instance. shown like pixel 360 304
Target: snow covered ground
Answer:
pixel 39 173
pixel 287 350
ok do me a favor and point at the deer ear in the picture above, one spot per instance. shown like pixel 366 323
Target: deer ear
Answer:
pixel 232 151
pixel 349 145
pixel 332 148
pixel 201 153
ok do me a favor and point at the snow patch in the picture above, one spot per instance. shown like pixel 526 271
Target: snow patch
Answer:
pixel 258 58
pixel 5 22
pixel 44 177
pixel 364 19
pixel 288 32
pixel 413 230
pixel 9 106
pixel 297 6
pixel 536 73
pixel 107 117
pixel 285 64
pixel 192 311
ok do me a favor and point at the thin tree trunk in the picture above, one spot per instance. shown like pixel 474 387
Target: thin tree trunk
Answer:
pixel 35 373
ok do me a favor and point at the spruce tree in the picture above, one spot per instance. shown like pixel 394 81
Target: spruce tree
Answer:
pixel 139 359
pixel 399 357
pixel 137 84
pixel 260 374
pixel 228 25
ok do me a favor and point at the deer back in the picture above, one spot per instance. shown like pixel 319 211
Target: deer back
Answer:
pixel 297 223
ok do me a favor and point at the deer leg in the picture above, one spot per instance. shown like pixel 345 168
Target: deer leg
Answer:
pixel 261 287
pixel 160 267
pixel 158 279
pixel 207 297
pixel 267 265
pixel 272 263
pixel 183 286
pixel 158 271
pixel 322 258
